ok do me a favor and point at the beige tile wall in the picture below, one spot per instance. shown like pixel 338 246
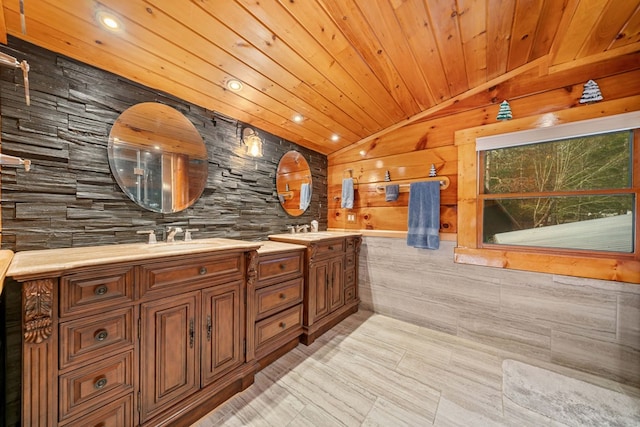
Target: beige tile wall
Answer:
pixel 591 325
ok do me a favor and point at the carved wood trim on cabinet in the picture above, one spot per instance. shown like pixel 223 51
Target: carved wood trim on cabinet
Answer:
pixel 38 307
pixel 39 356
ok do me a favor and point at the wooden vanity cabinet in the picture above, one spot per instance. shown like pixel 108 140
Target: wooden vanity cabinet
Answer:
pixel 97 351
pixel 331 272
pixel 190 339
pixel 154 342
pixel 276 302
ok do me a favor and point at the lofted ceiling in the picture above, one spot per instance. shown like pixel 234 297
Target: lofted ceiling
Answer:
pixel 351 68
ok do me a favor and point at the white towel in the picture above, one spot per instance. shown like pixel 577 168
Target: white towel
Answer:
pixel 305 196
pixel 347 193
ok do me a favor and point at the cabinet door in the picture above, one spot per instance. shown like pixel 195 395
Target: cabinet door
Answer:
pixel 223 337
pixel 168 356
pixel 318 291
pixel 336 284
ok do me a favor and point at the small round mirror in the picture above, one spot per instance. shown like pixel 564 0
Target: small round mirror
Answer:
pixel 158 157
pixel 293 182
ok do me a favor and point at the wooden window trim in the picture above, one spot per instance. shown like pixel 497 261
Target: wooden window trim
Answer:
pixel 605 266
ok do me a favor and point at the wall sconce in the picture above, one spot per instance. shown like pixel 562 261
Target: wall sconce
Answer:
pixel 252 141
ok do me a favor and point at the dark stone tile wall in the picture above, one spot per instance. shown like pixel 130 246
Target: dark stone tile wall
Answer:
pixel 70 197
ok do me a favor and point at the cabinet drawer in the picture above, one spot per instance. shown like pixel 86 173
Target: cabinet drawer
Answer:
pixel 350 277
pixel 349 294
pixel 92 386
pixel 274 298
pixel 99 289
pixel 207 269
pixel 350 261
pixel 115 414
pixel 329 247
pixel 351 243
pixel 279 324
pixel 93 337
pixel 280 265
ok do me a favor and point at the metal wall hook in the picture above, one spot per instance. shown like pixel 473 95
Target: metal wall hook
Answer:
pixel 10 61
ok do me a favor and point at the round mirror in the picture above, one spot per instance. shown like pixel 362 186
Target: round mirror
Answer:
pixel 158 157
pixel 293 182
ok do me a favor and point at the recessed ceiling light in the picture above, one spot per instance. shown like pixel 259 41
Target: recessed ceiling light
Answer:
pixel 109 21
pixel 334 137
pixel 234 85
pixel 298 118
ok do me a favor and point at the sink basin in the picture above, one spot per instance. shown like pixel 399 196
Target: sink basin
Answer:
pixel 179 246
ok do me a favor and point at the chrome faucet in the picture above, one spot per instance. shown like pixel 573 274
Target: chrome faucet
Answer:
pixel 151 233
pixel 302 228
pixel 187 234
pixel 171 233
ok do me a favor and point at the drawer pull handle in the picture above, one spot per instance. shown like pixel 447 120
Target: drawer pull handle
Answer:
pixel 192 333
pixel 330 248
pixel 282 296
pixel 283 325
pixel 101 290
pixel 100 384
pixel 283 266
pixel 203 270
pixel 101 335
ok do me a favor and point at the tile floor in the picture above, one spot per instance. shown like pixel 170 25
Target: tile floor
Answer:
pixel 372 370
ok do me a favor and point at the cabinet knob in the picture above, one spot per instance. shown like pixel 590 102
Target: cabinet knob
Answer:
pixel 100 383
pixel 330 248
pixel 283 266
pixel 203 270
pixel 283 325
pixel 101 335
pixel 101 290
pixel 282 296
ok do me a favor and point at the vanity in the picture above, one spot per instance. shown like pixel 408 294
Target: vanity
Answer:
pixel 275 302
pixel 133 334
pixel 331 278
pixel 160 334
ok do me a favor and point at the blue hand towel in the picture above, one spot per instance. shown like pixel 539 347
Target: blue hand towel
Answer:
pixel 391 191
pixel 347 193
pixel 305 196
pixel 424 215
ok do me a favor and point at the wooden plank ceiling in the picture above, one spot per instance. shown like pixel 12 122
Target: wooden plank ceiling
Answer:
pixel 353 68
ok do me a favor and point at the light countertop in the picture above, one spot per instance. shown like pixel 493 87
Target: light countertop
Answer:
pixel 5 260
pixel 306 238
pixel 271 246
pixel 29 263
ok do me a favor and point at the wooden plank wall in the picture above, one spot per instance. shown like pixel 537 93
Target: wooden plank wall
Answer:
pixel 70 197
pixel 408 152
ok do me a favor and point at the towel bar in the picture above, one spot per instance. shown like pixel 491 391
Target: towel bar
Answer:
pixel 286 195
pixel 404 186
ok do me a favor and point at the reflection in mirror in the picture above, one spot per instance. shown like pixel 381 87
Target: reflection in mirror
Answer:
pixel 293 182
pixel 158 157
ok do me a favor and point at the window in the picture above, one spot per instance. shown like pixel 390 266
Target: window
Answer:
pixel 560 199
pixel 573 193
